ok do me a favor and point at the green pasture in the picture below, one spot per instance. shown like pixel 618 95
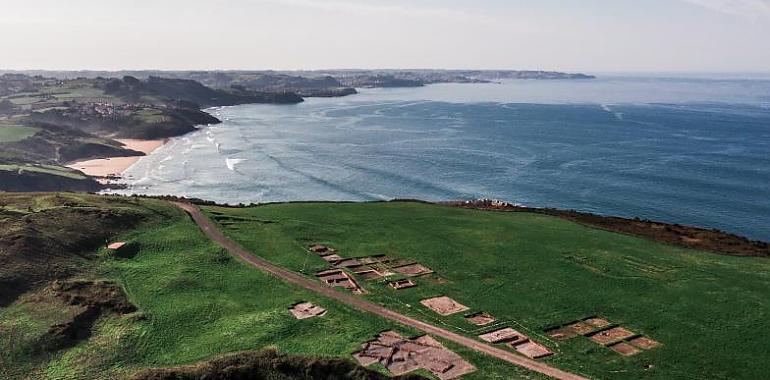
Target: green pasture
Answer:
pixel 533 272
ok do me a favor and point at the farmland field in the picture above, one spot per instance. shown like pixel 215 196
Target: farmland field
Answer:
pixel 13 133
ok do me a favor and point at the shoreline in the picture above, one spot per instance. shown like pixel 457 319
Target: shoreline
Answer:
pixel 114 167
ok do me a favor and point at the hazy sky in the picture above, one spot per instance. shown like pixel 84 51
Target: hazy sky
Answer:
pixel 570 35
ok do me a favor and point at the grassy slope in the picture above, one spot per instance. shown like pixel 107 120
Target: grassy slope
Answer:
pixel 53 93
pixel 709 311
pixel 13 133
pixel 49 235
pixel 194 302
pixel 46 169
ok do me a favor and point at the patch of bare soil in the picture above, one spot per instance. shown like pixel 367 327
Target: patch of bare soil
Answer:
pixel 444 305
pixel 562 333
pixel 503 335
pixel 402 284
pixel 368 267
pixel 597 322
pixel 94 299
pixel 374 259
pixel 413 270
pixel 321 249
pixel 305 310
pixel 625 349
pixel 607 337
pixel 480 319
pixel 338 277
pixel 333 258
pixel 116 245
pixel 604 332
pixel 348 263
pixel 517 341
pixel 400 355
pixel 712 240
pixel 264 365
pixel 531 349
pixel 644 343
pixel 572 329
pixel 581 328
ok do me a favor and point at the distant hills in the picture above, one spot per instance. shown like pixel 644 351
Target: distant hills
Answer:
pixel 313 82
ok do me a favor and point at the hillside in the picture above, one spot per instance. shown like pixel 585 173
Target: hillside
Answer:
pixel 538 274
pixel 35 177
pixel 325 82
pixel 170 303
pixel 70 308
pixel 190 91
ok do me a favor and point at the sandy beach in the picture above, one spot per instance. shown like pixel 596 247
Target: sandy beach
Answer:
pixel 115 166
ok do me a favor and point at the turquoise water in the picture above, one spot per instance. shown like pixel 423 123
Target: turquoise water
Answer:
pixel 689 151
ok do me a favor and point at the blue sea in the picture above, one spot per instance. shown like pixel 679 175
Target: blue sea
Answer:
pixel 678 149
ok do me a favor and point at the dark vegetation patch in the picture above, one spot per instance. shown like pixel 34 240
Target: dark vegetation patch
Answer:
pixel 94 299
pixel 59 144
pixel 186 90
pixel 258 365
pixel 44 237
pixel 127 251
pixel 29 178
pixel 125 121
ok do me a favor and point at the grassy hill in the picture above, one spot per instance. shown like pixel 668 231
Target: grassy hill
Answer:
pixel 38 177
pixel 535 272
pixel 172 302
pixel 192 301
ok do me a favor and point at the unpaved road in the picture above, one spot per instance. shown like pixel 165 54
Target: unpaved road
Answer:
pixel 214 234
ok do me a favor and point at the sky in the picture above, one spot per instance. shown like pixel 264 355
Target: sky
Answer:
pixel 566 35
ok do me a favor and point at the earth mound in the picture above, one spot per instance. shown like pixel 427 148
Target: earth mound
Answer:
pixel 269 364
pixel 94 299
pixel 45 237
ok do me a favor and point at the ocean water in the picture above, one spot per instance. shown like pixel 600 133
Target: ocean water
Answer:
pixel 683 150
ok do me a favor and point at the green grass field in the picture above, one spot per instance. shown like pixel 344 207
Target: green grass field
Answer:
pixel 13 133
pixel 45 169
pixel 195 302
pixel 530 271
pixel 54 94
pixel 533 271
pixel 150 116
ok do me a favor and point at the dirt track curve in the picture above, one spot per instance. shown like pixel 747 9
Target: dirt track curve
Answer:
pixel 214 234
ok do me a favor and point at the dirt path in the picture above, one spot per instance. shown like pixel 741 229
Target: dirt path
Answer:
pixel 214 234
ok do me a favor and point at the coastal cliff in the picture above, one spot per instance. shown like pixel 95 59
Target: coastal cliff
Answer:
pixel 47 121
pixel 21 179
